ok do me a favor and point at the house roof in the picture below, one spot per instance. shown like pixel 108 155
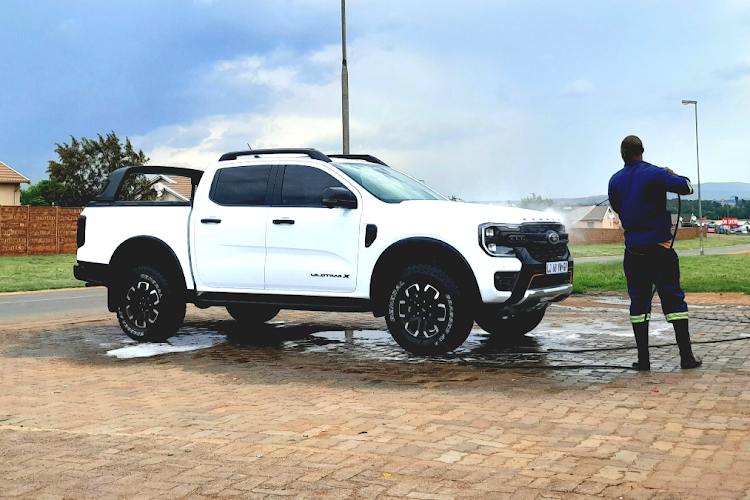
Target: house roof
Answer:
pixel 177 185
pixel 596 213
pixel 10 176
pixel 576 214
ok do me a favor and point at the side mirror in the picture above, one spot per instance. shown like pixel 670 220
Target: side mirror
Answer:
pixel 339 197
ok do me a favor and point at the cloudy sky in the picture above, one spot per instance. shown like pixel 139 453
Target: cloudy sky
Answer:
pixel 487 100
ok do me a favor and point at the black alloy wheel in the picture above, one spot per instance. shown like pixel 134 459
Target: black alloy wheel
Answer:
pixel 142 304
pixel 149 311
pixel 426 311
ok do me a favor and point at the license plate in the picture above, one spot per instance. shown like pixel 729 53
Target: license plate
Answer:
pixel 557 267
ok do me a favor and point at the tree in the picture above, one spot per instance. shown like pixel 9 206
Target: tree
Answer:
pixel 84 165
pixel 42 194
pixel 536 202
pixel 712 210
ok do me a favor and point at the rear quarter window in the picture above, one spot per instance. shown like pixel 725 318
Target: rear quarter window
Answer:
pixel 245 186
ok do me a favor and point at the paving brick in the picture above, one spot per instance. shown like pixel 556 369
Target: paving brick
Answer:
pixel 325 431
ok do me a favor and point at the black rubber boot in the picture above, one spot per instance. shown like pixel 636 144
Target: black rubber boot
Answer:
pixel 641 341
pixel 682 335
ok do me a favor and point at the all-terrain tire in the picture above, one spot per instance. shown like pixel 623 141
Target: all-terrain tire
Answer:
pixel 149 309
pixel 495 322
pixel 252 314
pixel 428 313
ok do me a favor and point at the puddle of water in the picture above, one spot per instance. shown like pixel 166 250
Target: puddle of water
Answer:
pixel 178 343
pixel 623 301
pixel 617 301
pixel 379 345
pixel 573 331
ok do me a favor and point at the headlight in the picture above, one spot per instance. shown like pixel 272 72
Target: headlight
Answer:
pixel 489 239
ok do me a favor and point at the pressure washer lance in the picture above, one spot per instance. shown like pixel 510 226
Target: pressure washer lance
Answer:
pixel 466 362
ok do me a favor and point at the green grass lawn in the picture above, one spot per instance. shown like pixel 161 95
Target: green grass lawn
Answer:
pixel 37 272
pixel 606 249
pixel 710 273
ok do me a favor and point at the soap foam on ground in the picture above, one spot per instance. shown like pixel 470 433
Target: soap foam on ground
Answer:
pixel 179 343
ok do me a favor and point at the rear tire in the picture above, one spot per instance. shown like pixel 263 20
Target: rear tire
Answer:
pixel 493 321
pixel 427 312
pixel 148 308
pixel 252 314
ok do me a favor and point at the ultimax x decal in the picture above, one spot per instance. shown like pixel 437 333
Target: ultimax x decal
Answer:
pixel 316 275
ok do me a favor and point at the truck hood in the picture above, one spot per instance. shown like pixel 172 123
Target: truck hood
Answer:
pixel 474 213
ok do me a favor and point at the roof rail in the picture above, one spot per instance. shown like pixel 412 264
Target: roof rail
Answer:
pixel 312 153
pixel 369 158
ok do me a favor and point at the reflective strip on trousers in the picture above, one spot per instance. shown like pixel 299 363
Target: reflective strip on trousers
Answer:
pixel 640 318
pixel 676 316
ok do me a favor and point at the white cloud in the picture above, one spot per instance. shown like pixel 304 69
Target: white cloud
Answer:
pixel 400 113
pixel 253 70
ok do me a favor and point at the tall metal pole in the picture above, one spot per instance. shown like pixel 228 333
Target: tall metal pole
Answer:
pixel 698 164
pixel 344 80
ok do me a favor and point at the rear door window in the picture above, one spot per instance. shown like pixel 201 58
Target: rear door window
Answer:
pixel 241 185
pixel 304 186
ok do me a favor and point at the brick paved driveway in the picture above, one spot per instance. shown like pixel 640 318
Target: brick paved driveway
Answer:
pixel 302 410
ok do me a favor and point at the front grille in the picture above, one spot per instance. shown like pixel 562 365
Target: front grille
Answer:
pixel 539 247
pixel 542 228
pixel 549 280
pixel 548 253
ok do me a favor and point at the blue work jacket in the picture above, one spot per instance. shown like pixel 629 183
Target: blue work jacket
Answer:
pixel 638 193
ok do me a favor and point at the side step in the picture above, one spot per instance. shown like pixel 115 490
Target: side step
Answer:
pixel 297 302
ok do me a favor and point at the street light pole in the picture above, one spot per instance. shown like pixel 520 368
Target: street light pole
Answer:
pixel 698 164
pixel 344 80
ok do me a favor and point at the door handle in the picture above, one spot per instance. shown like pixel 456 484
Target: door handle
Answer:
pixel 211 221
pixel 283 221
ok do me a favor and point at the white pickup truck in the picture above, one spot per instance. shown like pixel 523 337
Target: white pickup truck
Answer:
pixel 264 230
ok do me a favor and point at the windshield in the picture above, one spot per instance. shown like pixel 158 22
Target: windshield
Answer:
pixel 387 184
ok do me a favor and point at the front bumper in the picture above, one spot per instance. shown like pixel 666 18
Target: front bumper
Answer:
pixel 543 295
pixel 528 286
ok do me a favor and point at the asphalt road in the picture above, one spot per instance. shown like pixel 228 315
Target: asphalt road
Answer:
pixel 85 302
pixel 53 304
pixel 682 253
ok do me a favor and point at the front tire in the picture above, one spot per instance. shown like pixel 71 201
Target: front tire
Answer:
pixel 495 322
pixel 252 314
pixel 149 310
pixel 427 312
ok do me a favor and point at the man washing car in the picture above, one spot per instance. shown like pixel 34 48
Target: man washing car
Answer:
pixel 638 193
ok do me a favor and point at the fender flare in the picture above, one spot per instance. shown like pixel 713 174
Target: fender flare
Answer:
pixel 160 252
pixel 402 251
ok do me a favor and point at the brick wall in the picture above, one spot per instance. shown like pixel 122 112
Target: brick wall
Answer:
pixel 38 230
pixel 590 236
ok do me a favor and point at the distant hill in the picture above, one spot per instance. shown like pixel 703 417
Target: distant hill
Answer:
pixel 717 191
pixel 588 200
pixel 721 191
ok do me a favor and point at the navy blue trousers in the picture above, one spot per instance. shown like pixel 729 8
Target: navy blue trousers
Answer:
pixel 645 266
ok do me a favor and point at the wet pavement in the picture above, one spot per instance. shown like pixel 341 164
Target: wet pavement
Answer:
pixel 328 406
pixel 578 343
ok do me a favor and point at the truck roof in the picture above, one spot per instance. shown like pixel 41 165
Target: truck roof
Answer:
pixel 312 153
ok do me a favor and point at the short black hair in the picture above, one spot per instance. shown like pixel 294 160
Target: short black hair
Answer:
pixel 631 146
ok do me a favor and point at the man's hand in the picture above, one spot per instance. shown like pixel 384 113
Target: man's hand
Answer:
pixel 669 171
